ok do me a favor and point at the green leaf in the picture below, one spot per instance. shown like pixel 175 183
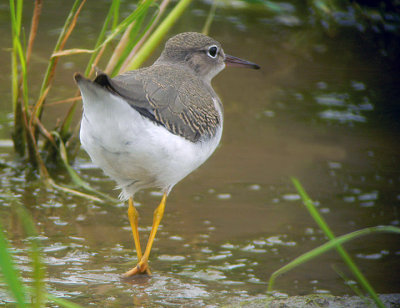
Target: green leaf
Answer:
pixel 35 255
pixel 10 274
pixel 336 244
pixel 316 252
pixel 157 36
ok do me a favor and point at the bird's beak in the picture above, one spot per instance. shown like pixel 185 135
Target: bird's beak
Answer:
pixel 237 62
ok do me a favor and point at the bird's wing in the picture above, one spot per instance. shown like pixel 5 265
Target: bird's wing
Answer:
pixel 132 92
pixel 182 104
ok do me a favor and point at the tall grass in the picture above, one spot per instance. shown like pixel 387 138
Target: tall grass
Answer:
pixel 135 38
pixel 333 243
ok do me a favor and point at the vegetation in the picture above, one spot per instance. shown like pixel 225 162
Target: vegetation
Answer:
pixel 333 243
pixel 22 293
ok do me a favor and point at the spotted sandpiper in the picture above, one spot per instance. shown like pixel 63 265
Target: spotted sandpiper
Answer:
pixel 153 126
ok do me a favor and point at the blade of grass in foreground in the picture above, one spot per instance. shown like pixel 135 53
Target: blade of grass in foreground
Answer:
pixel 10 274
pixel 353 286
pixel 345 256
pixel 316 252
pixel 35 256
pixel 76 178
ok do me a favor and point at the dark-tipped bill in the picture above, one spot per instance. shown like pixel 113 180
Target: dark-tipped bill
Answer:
pixel 237 62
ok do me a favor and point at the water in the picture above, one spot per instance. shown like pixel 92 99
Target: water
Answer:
pixel 323 108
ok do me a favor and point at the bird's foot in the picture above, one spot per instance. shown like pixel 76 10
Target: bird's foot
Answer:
pixel 141 268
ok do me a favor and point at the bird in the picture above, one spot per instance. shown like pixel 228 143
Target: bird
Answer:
pixel 151 127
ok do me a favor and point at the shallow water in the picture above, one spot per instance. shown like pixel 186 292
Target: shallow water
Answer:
pixel 324 108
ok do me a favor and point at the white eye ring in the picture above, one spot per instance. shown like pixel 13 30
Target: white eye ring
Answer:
pixel 212 51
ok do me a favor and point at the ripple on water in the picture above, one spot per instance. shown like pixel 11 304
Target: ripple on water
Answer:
pixel 291 197
pixel 255 187
pixel 332 99
pixel 373 256
pixel 79 277
pixel 228 246
pixel 222 255
pixel 176 238
pixel 342 116
pixel 170 258
pixel 173 289
pixel 206 274
pixel 229 266
pixel 368 196
pixel 252 248
pixel 224 196
pixel 54 247
pixel 277 240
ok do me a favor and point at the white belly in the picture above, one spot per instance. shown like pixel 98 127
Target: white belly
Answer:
pixel 134 151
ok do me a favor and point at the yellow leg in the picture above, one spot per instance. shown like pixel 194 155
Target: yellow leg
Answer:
pixel 133 216
pixel 142 266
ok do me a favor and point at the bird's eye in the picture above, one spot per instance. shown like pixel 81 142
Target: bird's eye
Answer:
pixel 212 51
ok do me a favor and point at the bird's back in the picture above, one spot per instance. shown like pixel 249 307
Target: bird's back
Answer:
pixel 173 97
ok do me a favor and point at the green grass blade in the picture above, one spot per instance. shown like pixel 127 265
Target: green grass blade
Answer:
pixel 141 9
pixel 122 54
pixel 15 30
pixel 18 134
pixel 210 17
pixel 112 13
pixel 353 287
pixel 35 256
pixel 312 209
pixel 157 36
pixel 308 256
pixel 53 61
pixel 11 277
pixel 161 7
pixel 102 40
pixel 22 63
pixel 345 256
pixel 116 4
pixel 10 274
pixel 76 179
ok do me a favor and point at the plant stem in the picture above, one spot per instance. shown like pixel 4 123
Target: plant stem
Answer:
pixel 345 256
pixel 210 17
pixel 308 256
pixel 157 36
